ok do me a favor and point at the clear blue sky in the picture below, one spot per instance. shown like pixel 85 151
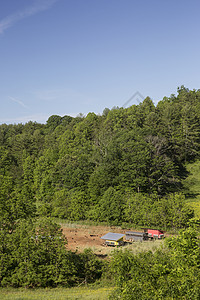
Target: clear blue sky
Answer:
pixel 67 57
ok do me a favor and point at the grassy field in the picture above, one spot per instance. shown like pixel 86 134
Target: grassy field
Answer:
pixel 135 247
pixel 84 293
pixel 192 187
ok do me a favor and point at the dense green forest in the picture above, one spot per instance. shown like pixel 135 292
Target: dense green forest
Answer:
pixel 126 166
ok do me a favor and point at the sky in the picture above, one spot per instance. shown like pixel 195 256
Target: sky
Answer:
pixel 65 57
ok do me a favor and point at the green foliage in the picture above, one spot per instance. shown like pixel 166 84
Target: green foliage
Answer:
pixel 34 255
pixel 78 205
pixel 167 212
pixel 185 247
pixel 53 122
pixel 14 204
pixel 92 267
pixel 139 209
pixel 128 165
pixel 76 167
pixel 173 212
pixel 170 273
pixel 113 200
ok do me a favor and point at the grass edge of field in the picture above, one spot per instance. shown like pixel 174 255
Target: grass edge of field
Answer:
pixel 86 292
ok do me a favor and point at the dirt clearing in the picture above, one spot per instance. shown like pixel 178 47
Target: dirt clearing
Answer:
pixel 80 237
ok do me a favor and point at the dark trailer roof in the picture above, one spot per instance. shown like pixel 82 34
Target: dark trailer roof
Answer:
pixel 112 236
pixel 134 233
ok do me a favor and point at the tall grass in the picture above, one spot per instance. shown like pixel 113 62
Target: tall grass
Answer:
pixel 83 293
pixel 137 247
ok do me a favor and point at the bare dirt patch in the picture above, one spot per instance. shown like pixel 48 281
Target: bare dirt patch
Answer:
pixel 80 237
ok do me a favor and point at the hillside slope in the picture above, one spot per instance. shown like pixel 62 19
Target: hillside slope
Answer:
pixel 192 186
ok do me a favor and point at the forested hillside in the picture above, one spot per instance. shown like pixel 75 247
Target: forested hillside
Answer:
pixel 126 165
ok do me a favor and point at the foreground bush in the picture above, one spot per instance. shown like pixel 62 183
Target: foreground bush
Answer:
pixel 172 272
pixel 34 255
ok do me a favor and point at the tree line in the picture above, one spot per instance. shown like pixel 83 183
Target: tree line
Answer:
pixel 126 165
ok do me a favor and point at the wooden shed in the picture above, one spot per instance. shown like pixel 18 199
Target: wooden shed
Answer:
pixel 132 236
pixel 113 239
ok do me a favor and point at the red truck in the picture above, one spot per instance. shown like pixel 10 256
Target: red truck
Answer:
pixel 154 233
